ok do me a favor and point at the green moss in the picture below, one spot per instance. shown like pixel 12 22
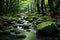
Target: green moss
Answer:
pixel 44 24
pixel 20 21
pixel 58 24
pixel 12 29
pixel 21 36
pixel 48 28
pixel 1 31
pixel 26 26
pixel 7 31
pixel 31 20
pixel 34 22
pixel 17 31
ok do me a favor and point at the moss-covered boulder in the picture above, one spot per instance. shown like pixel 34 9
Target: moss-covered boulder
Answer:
pixel 20 21
pixel 7 32
pixel 1 31
pixel 30 20
pixel 58 35
pixel 58 24
pixel 17 31
pixel 12 30
pixel 47 28
pixel 25 26
pixel 21 36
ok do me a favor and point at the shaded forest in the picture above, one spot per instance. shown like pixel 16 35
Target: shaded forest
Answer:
pixel 21 18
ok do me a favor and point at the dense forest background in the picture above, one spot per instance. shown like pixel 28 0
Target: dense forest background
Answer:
pixel 40 15
pixel 44 7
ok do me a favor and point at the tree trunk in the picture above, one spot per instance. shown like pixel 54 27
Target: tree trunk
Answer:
pixel 52 10
pixel 38 7
pixel 42 7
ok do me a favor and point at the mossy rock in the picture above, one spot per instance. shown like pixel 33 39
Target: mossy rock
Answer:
pixel 35 17
pixel 7 31
pixel 14 19
pixel 10 27
pixel 30 20
pixel 15 26
pixel 45 24
pixel 25 26
pixel 20 21
pixel 58 24
pixel 58 35
pixel 13 22
pixel 1 31
pixel 9 20
pixel 21 36
pixel 38 22
pixel 17 31
pixel 34 22
pixel 12 30
pixel 47 29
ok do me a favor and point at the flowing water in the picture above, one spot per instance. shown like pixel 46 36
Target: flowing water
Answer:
pixel 30 35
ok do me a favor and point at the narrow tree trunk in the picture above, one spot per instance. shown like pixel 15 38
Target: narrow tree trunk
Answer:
pixel 38 7
pixel 53 14
pixel 1 6
pixel 42 7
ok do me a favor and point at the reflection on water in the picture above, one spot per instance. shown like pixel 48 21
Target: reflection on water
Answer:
pixel 33 36
pixel 12 33
pixel 29 36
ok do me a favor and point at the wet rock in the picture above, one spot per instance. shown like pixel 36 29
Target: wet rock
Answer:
pixel 25 26
pixel 17 31
pixel 21 36
pixel 6 32
pixel 15 26
pixel 48 31
pixel 12 30
pixel 58 35
pixel 1 32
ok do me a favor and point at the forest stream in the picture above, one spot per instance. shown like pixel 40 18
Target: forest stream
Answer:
pixel 29 19
pixel 30 34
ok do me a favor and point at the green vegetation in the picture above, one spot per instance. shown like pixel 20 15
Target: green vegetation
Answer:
pixel 21 36
pixel 21 15
pixel 44 24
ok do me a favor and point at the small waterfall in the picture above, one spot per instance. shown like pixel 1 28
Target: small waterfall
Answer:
pixel 19 28
pixel 25 21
